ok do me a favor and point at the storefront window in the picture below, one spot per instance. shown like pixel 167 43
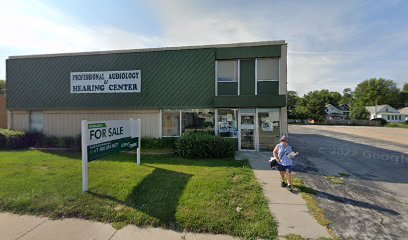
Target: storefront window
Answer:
pixel 268 128
pixel 227 122
pixel 36 121
pixel 171 123
pixel 197 120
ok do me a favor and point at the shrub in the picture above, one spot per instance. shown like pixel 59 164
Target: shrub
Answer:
pixel 78 142
pixel 34 139
pixel 66 142
pixel 3 141
pixel 381 120
pixel 158 143
pixel 11 139
pixel 50 141
pixel 202 145
pixel 62 142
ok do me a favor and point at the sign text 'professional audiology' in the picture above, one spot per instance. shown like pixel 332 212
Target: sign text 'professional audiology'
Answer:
pixel 106 82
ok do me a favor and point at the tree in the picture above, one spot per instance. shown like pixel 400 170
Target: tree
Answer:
pixel 301 112
pixel 2 88
pixel 404 96
pixel 313 104
pixel 292 101
pixel 334 98
pixel 359 112
pixel 376 91
pixel 347 96
pixel 405 88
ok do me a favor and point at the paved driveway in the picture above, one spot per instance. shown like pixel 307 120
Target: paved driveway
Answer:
pixel 373 201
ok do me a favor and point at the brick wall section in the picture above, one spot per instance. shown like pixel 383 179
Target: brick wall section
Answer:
pixel 3 112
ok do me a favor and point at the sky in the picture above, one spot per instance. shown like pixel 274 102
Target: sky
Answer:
pixel 331 44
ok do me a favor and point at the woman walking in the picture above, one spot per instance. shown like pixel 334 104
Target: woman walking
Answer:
pixel 285 163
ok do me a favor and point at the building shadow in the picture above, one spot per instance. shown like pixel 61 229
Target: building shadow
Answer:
pixel 148 159
pixel 355 203
pixel 173 160
pixel 319 154
pixel 343 200
pixel 71 155
pixel 157 195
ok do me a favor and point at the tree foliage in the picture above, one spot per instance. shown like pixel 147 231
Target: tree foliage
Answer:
pixel 293 98
pixel 359 112
pixel 377 91
pixel 405 88
pixel 313 104
pixel 404 96
pixel 2 88
pixel 334 98
pixel 369 92
pixel 347 97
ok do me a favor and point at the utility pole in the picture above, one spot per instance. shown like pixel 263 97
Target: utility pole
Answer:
pixel 375 115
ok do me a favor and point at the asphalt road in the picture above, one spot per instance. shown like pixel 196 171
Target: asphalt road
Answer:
pixel 372 203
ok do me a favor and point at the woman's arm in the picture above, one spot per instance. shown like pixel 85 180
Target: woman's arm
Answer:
pixel 275 153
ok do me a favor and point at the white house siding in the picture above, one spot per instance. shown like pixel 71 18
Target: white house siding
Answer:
pixel 392 118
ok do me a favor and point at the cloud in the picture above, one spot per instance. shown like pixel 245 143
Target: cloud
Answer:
pixel 31 27
pixel 196 23
pixel 326 70
pixel 306 27
pixel 332 44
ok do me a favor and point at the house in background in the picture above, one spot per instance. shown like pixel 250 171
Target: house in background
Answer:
pixel 345 108
pixel 405 112
pixel 387 113
pixel 337 113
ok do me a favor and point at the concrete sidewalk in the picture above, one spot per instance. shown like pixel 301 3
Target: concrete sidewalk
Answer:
pixel 288 208
pixel 24 227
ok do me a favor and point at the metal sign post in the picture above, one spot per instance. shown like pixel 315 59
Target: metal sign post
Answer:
pixel 84 138
pixel 139 127
pixel 135 126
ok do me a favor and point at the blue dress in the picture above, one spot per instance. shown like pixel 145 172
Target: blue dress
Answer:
pixel 283 155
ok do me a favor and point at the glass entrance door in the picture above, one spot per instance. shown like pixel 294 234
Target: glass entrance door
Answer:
pixel 247 132
pixel 268 129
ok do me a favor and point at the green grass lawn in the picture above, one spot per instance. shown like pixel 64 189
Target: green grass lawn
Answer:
pixel 397 125
pixel 196 195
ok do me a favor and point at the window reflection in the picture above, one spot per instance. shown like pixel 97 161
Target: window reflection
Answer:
pixel 171 123
pixel 198 120
pixel 228 122
pixel 269 129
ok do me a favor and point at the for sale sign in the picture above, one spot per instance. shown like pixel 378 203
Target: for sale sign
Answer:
pixel 101 138
pixel 106 137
